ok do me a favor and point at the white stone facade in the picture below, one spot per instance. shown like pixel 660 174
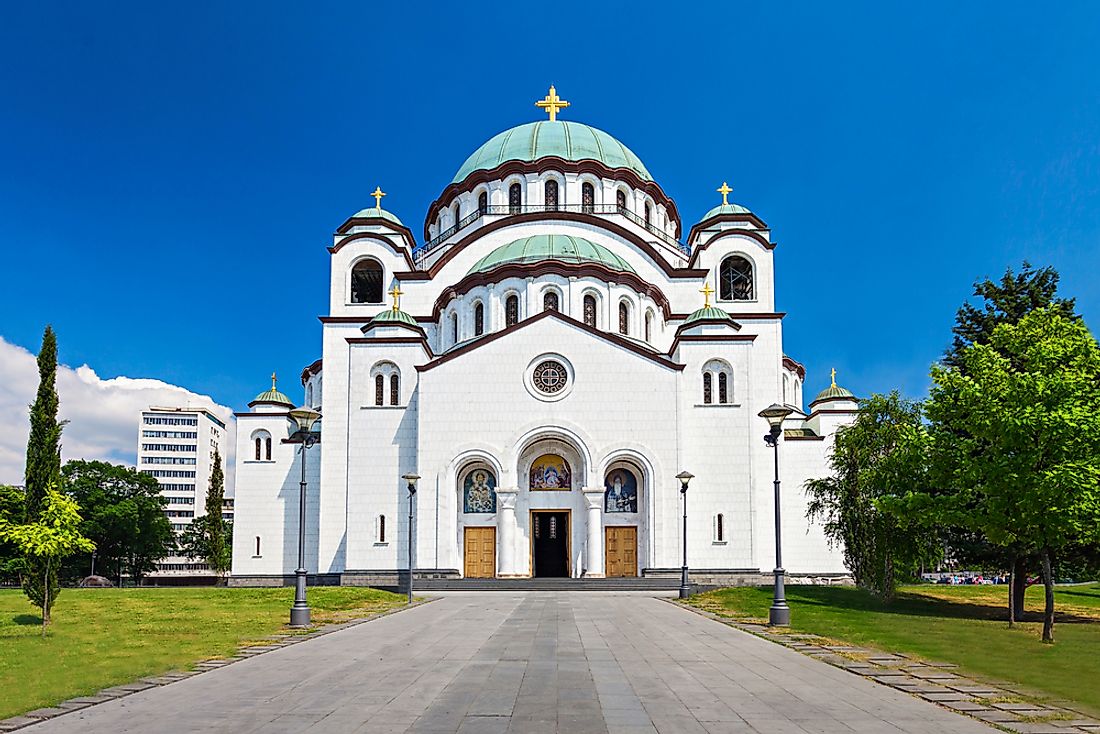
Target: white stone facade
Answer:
pixel 421 391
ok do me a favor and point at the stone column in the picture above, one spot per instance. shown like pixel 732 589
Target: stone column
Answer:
pixel 593 500
pixel 506 531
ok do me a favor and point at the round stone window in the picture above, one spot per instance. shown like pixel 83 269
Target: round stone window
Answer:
pixel 550 376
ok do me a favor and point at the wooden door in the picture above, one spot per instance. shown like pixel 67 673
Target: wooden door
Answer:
pixel 481 552
pixel 621 551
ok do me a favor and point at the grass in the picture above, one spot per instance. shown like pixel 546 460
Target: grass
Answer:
pixel 964 625
pixel 105 637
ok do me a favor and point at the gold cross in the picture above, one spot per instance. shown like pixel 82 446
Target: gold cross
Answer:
pixel 707 292
pixel 396 293
pixel 378 194
pixel 552 103
pixel 725 192
pixel 834 376
pixel 272 380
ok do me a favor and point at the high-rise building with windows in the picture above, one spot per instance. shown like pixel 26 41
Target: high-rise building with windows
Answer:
pixel 177 447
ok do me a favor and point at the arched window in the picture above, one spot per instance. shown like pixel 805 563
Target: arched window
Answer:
pixel 720 371
pixel 479 491
pixel 648 326
pixel 648 213
pixel 620 199
pixel 707 396
pixel 458 212
pixel 624 318
pixel 588 198
pixel 454 328
pixel 257 546
pixel 479 319
pixel 550 192
pixel 395 388
pixel 511 310
pixel 379 386
pixel 723 393
pixel 786 389
pixel 262 444
pixel 259 443
pixel 720 528
pixel 309 395
pixel 381 528
pixel 550 301
pixel 366 282
pixel 483 202
pixel 735 279
pixel 515 199
pixel 590 309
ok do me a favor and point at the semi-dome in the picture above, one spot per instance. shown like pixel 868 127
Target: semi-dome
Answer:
pixel 560 247
pixel 571 141
pixel 375 212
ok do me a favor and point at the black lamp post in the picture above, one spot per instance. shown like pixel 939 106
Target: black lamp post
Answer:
pixel 685 477
pixel 411 479
pixel 304 418
pixel 780 614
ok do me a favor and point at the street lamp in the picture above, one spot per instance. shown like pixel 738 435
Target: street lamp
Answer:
pixel 303 419
pixel 411 479
pixel 685 477
pixel 779 614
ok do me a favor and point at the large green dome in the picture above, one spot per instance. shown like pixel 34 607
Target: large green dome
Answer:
pixel 564 248
pixel 571 141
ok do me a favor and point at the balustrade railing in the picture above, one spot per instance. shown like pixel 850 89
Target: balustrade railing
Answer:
pixel 424 250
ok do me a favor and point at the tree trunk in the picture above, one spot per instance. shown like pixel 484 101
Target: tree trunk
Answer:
pixel 46 599
pixel 1019 586
pixel 1012 593
pixel 1048 612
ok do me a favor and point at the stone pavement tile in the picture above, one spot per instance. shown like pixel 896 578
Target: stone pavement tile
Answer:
pixel 46 713
pixel 484 725
pixel 16 722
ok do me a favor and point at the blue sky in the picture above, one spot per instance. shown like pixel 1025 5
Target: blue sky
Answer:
pixel 201 155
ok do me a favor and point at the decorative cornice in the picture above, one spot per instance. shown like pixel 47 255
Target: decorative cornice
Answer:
pixel 717 218
pixel 743 338
pixel 751 234
pixel 831 412
pixel 311 370
pixel 262 415
pixel 698 322
pixel 374 236
pixel 792 366
pixel 416 329
pixel 544 165
pixel 740 316
pixel 401 229
pixel 422 341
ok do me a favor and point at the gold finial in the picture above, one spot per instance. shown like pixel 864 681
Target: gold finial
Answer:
pixel 707 292
pixel 396 293
pixel 378 194
pixel 834 376
pixel 725 192
pixel 273 382
pixel 552 103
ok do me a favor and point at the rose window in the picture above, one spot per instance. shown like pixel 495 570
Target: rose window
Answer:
pixel 550 376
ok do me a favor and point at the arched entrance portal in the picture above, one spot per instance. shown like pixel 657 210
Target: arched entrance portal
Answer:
pixel 550 506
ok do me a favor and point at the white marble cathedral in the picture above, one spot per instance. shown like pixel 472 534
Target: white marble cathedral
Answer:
pixel 547 361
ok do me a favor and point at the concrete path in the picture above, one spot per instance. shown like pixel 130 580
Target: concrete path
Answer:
pixel 525 662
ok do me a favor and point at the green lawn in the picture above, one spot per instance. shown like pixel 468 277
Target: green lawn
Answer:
pixel 105 637
pixel 957 624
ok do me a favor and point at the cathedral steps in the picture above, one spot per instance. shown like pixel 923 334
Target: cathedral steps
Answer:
pixel 548 584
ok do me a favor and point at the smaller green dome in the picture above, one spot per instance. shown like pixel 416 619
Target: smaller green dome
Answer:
pixel 394 316
pixel 561 247
pixel 725 209
pixel 375 212
pixel 709 313
pixel 834 392
pixel 273 396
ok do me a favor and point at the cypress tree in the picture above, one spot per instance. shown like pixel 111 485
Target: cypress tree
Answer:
pixel 217 546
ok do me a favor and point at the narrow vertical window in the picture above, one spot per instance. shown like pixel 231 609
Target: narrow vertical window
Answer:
pixel 483 202
pixel 550 301
pixel 458 212
pixel 379 386
pixel 735 279
pixel 550 190
pixel 511 311
pixel 395 388
pixel 720 528
pixel 723 394
pixel 624 318
pixel 515 196
pixel 309 395
pixel 267 445
pixel 454 328
pixel 706 388
pixel 649 326
pixel 620 199
pixel 257 448
pixel 257 546
pixel 479 320
pixel 381 528
pixel 588 198
pixel 590 310
pixel 648 213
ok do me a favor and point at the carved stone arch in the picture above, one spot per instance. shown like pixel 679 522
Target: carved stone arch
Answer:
pixel 736 276
pixel 366 281
pixel 719 373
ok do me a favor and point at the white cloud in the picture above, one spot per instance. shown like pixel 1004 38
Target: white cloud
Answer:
pixel 103 414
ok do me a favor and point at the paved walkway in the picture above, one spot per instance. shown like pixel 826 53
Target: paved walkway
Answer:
pixel 532 663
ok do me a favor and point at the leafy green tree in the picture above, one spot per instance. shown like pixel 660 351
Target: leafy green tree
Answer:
pixel 43 469
pixel 209 537
pixel 1015 437
pixel 879 456
pixel 1004 301
pixel 46 539
pixel 124 516
pixel 13 510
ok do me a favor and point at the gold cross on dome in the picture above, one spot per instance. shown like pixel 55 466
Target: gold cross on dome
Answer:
pixel 396 293
pixel 378 194
pixel 707 292
pixel 833 374
pixel 272 380
pixel 552 103
pixel 725 192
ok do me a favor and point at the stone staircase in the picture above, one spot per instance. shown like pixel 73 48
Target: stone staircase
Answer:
pixel 548 584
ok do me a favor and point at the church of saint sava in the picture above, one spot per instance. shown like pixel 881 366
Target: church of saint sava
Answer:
pixel 556 368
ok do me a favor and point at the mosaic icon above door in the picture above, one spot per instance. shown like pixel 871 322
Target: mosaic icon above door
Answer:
pixel 622 491
pixel 551 472
pixel 478 493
